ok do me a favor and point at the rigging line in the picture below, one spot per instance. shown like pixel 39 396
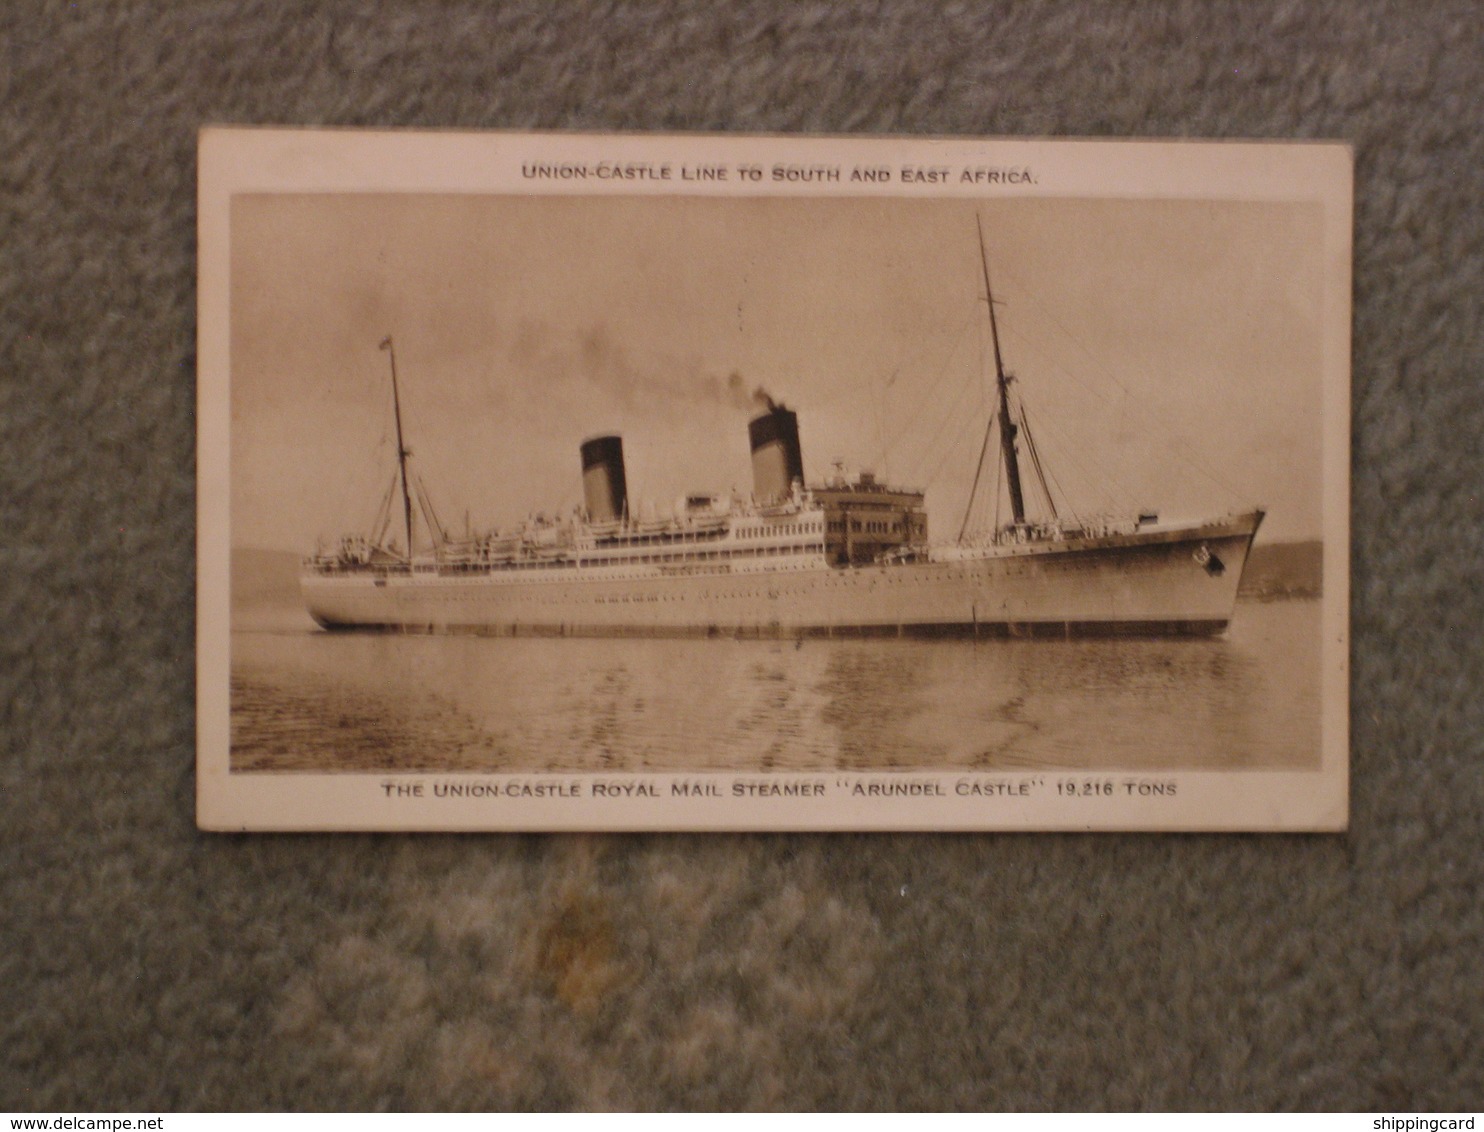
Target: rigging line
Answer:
pixel 1076 518
pixel 1092 471
pixel 948 449
pixel 372 530
pixel 998 478
pixel 953 415
pixel 922 402
pixel 1030 443
pixel 1165 426
pixel 881 422
pixel 1093 475
pixel 364 465
pixel 1049 479
pixel 1178 447
pixel 985 502
pixel 978 471
pixel 430 515
pixel 950 452
pixel 383 518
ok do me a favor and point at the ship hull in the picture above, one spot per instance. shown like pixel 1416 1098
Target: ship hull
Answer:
pixel 1160 581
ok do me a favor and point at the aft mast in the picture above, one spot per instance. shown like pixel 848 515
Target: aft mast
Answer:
pixel 402 453
pixel 1008 428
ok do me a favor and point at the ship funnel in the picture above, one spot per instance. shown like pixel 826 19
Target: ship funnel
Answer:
pixel 604 488
pixel 777 460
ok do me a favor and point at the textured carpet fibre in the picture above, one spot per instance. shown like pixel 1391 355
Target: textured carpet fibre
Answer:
pixel 146 966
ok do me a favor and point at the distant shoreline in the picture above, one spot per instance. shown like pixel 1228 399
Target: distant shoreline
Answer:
pixel 1284 570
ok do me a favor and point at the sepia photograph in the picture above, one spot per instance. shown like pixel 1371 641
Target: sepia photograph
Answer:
pixel 626 482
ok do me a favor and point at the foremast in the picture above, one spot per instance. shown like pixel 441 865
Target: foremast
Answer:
pixel 1008 427
pixel 402 452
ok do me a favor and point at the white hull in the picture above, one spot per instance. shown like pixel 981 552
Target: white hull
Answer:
pixel 1158 580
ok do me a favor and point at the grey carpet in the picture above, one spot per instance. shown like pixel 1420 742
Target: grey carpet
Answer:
pixel 146 966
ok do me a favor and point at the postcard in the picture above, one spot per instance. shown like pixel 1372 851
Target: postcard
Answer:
pixel 697 482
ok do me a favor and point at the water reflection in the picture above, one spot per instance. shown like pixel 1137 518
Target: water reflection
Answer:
pixel 318 701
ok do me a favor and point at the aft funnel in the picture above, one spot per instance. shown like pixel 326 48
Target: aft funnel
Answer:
pixel 777 459
pixel 604 488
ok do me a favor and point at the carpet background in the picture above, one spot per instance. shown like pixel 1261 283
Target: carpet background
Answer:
pixel 146 966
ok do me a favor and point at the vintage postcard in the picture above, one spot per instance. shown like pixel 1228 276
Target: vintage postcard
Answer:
pixel 688 482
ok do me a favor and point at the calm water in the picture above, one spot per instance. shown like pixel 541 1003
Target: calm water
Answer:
pixel 307 700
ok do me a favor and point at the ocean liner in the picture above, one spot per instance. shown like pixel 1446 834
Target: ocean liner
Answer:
pixel 849 556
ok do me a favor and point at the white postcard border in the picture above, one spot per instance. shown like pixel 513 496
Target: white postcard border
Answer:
pixel 252 160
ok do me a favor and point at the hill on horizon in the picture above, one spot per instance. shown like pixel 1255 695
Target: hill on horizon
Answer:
pixel 1284 569
pixel 265 590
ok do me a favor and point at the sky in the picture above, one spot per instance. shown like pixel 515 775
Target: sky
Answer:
pixel 1168 352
